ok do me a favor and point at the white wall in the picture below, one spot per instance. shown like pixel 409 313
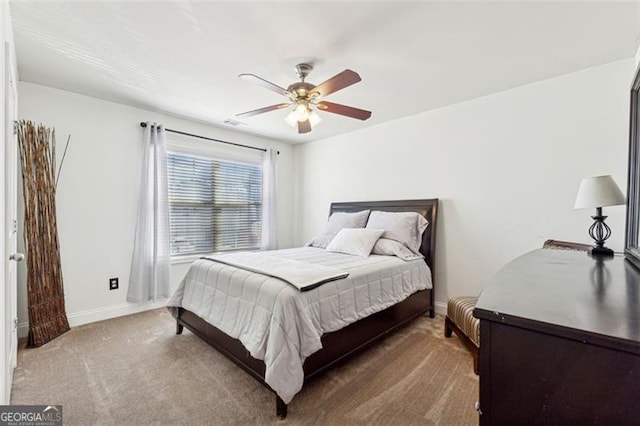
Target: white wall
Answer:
pixel 97 194
pixel 506 168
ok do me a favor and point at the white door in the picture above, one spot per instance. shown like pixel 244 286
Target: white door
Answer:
pixel 11 223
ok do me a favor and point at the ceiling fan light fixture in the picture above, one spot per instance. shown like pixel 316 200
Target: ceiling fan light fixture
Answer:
pixel 302 112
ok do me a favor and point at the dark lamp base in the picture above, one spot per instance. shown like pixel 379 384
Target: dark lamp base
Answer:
pixel 601 251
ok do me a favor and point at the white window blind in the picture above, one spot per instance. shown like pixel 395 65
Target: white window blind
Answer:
pixel 214 204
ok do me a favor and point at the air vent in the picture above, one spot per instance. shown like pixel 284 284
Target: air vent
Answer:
pixel 232 122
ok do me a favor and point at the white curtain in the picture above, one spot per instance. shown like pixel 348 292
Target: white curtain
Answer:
pixel 269 240
pixel 149 279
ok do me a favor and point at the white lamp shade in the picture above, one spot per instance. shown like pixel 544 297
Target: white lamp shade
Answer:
pixel 314 118
pixel 291 119
pixel 598 191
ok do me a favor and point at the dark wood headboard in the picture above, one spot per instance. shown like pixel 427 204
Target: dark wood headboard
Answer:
pixel 427 208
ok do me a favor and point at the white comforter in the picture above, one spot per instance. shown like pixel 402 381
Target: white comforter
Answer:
pixel 302 275
pixel 282 325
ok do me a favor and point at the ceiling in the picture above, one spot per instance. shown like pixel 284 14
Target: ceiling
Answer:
pixel 184 58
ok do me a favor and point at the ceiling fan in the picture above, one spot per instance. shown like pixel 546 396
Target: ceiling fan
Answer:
pixel 305 96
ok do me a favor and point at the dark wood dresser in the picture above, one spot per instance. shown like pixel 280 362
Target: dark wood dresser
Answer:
pixel 560 341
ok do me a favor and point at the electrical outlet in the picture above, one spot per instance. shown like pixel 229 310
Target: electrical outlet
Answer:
pixel 113 283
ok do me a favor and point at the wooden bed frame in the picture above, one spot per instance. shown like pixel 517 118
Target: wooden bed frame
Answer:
pixel 340 344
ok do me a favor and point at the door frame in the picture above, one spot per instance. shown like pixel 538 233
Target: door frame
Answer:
pixel 11 209
pixel 8 204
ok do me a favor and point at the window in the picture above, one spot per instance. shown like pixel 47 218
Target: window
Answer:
pixel 214 204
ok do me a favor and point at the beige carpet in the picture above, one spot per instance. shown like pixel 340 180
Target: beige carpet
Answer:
pixel 134 370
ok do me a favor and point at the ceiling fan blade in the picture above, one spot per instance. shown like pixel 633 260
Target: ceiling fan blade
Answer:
pixel 339 81
pixel 261 110
pixel 252 78
pixel 352 112
pixel 304 126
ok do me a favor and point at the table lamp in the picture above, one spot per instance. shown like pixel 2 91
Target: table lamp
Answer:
pixel 598 192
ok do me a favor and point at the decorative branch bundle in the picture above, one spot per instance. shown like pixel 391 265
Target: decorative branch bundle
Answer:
pixel 47 315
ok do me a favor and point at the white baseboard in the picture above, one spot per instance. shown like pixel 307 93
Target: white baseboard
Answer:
pixel 23 329
pixel 441 308
pixel 100 314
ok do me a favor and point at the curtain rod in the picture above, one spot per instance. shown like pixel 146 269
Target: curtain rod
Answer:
pixel 143 124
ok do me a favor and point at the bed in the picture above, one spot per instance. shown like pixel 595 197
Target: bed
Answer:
pixel 327 348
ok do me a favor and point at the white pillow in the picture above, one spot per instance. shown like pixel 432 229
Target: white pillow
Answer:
pixel 338 221
pixel 404 227
pixel 356 241
pixel 394 248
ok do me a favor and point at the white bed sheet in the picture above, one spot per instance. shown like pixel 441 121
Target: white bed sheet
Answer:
pixel 281 325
